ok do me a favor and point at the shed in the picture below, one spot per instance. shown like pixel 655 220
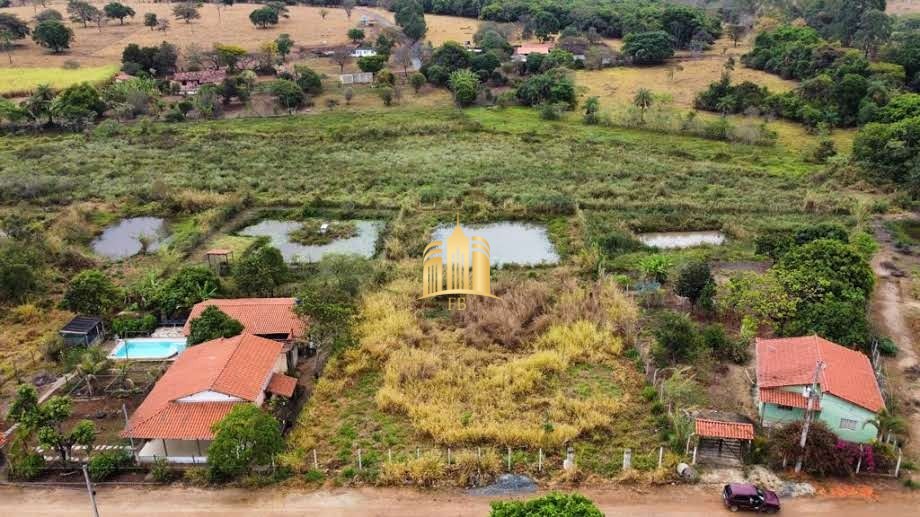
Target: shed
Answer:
pixel 721 441
pixel 219 260
pixel 83 331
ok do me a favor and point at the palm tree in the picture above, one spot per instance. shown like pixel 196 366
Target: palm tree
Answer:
pixel 887 423
pixel 643 100
pixel 91 365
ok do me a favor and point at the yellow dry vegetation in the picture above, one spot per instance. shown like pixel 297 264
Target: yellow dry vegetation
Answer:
pixel 457 393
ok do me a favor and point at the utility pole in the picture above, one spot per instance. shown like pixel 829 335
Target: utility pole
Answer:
pixel 92 493
pixel 814 396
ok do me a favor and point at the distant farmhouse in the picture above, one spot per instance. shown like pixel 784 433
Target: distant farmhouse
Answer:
pixel 521 52
pixel 190 82
pixel 849 394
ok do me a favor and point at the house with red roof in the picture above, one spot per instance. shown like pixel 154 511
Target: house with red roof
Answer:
pixel 849 395
pixel 270 318
pixel 205 382
pixel 521 52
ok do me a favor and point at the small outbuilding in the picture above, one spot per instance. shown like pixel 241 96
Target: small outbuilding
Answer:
pixel 721 441
pixel 83 331
pixel 219 260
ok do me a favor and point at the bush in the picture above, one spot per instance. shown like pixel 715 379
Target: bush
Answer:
pixel 161 472
pixel 551 87
pixel 692 280
pixel 554 503
pixel 24 465
pixel 125 325
pixel 648 48
pixel 212 324
pixel 887 347
pixel 106 464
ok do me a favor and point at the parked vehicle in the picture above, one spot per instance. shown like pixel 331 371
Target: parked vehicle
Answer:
pixel 744 496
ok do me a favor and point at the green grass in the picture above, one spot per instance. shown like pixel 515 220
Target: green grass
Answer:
pixel 482 160
pixel 21 81
pixel 905 231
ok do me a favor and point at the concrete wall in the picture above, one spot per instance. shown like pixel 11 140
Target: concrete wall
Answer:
pixel 832 411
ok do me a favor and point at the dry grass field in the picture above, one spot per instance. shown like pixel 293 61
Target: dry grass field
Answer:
pixel 903 7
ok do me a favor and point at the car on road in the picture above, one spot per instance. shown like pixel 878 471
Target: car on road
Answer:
pixel 744 496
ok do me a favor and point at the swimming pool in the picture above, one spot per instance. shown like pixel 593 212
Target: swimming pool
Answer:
pixel 148 348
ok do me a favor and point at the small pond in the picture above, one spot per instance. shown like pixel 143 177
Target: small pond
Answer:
pixel 675 240
pixel 524 244
pixel 364 243
pixel 122 240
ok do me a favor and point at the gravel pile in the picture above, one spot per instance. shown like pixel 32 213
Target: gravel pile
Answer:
pixel 507 484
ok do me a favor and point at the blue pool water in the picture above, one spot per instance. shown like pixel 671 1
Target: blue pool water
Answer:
pixel 148 348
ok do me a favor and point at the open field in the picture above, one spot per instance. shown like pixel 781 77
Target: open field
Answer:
pixel 21 81
pixel 902 7
pixel 95 47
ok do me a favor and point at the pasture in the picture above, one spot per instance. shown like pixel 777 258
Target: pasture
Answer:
pixel 21 81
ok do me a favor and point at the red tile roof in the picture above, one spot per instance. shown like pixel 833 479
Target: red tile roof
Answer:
pixel 281 384
pixel 785 398
pixel 201 76
pixel 261 316
pixel 238 367
pixel 847 374
pixel 719 429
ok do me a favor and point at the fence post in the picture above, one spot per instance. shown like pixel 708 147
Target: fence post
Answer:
pixel 859 461
pixel 540 460
pixel 360 465
pixel 418 453
pixel 897 466
pixel 509 459
pixel 627 459
pixel 478 453
pixel 389 455
pixel 660 456
pixel 694 453
pixel 315 461
pixel 569 462
pixel 448 455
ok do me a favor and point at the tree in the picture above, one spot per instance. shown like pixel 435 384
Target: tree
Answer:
pixel 648 48
pixel 82 12
pixel 187 11
pixel 221 4
pixel 736 32
pixel 822 456
pixel 410 16
pixel 284 44
pixel 403 57
pixel 48 14
pixel 13 27
pixel 91 292
pixel 90 367
pixel 372 64
pixel 355 35
pixel 465 86
pixel 9 112
pixel 150 20
pixel 341 56
pixel 38 105
pixel 347 6
pixel 228 55
pixel 247 437
pixel 692 279
pixel 20 265
pixel 118 11
pixel 384 45
pixel 676 339
pixel 545 25
pixel 77 105
pixel 417 80
pixel 213 324
pixel 643 100
pixel 552 87
pixel 288 94
pixel 557 504
pixel 262 268
pixel 53 35
pixel 874 30
pixel 592 106
pixel 263 17
pixel 83 433
pixel 308 80
pixel 45 421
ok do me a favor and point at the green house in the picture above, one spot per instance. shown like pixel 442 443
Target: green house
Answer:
pixel 849 396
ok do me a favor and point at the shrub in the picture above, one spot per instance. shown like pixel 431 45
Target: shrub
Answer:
pixel 125 325
pixel 212 324
pixel 692 280
pixel 552 87
pixel 656 267
pixel 465 86
pixel 648 48
pixel 554 503
pixel 308 80
pixel 161 471
pixel 106 464
pixel 91 292
pixel 24 464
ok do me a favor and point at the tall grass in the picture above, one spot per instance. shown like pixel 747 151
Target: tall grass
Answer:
pixel 18 82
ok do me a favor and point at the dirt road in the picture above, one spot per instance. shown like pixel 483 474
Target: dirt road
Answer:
pixel 890 301
pixel 175 501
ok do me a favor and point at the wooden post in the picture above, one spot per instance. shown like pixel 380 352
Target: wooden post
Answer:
pixel 540 460
pixel 897 466
pixel 389 455
pixel 660 456
pixel 478 453
pixel 627 459
pixel 124 410
pixel 694 453
pixel 360 465
pixel 448 455
pixel 859 460
pixel 509 459
pixel 315 462
pixel 165 451
pixel 418 453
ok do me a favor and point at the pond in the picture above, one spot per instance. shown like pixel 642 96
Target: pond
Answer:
pixel 676 240
pixel 123 240
pixel 364 243
pixel 525 244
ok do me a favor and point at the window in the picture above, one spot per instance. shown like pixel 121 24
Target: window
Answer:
pixel 846 423
pixel 784 408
